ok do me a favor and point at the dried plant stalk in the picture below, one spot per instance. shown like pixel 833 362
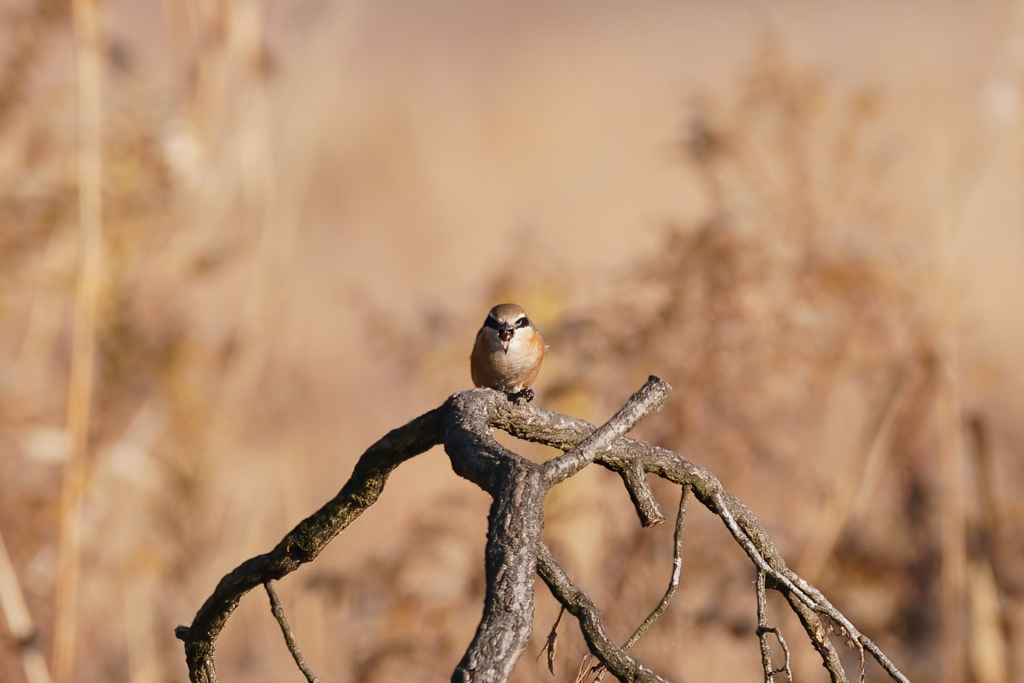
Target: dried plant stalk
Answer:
pixel 87 52
pixel 19 620
pixel 953 517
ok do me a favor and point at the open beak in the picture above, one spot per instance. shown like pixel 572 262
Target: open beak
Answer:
pixel 505 333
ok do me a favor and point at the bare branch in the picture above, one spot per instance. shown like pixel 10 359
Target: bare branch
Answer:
pixel 819 638
pixel 673 582
pixel 514 525
pixel 562 432
pixel 278 610
pixel 514 552
pixel 755 555
pixel 785 668
pixel 307 540
pixel 647 508
pixel 650 398
pixel 763 629
pixel 882 660
pixel 762 622
pixel 580 605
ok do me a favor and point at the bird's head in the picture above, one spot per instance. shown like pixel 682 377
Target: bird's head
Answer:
pixel 507 320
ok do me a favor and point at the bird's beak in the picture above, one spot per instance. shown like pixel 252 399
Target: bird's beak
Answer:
pixel 505 333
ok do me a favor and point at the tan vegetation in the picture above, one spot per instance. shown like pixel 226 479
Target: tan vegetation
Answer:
pixel 308 210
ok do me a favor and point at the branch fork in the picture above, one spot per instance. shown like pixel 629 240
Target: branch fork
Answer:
pixel 515 552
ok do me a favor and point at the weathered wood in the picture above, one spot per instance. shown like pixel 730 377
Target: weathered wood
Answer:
pixel 515 553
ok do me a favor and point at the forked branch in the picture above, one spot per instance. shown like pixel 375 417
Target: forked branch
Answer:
pixel 515 553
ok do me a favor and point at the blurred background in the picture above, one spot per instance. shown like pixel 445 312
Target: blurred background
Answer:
pixel 808 217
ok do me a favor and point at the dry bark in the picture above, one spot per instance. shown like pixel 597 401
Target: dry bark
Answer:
pixel 515 553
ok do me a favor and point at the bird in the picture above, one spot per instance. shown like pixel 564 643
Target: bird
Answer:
pixel 508 353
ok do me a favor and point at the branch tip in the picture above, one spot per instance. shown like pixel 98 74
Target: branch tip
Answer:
pixel 650 398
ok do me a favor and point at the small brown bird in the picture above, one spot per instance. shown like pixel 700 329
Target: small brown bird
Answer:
pixel 508 353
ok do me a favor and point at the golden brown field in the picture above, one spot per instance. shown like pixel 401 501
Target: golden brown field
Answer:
pixel 807 217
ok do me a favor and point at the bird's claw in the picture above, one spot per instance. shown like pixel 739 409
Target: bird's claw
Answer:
pixel 521 397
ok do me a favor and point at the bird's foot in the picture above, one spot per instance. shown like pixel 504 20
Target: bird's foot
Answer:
pixel 521 397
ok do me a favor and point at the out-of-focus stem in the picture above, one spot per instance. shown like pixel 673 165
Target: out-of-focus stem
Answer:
pixel 954 528
pixel 89 66
pixel 19 621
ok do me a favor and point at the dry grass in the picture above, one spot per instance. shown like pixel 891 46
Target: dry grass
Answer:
pixel 295 264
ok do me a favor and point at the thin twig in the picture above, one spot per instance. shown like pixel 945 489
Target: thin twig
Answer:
pixel 859 640
pixel 579 604
pixel 584 670
pixel 673 582
pixel 882 660
pixel 818 636
pixel 755 555
pixel 808 595
pixel 551 644
pixel 278 609
pixel 763 629
pixel 762 632
pixel 817 603
pixel 762 623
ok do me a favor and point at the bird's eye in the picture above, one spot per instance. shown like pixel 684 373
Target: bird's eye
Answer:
pixel 522 322
pixel 491 322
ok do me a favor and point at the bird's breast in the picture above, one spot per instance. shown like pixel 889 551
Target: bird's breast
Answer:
pixel 511 370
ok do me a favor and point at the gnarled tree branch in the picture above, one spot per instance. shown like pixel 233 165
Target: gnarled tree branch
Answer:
pixel 515 552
